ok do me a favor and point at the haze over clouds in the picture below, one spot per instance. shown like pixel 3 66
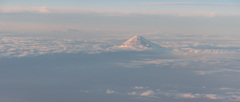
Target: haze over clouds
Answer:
pixel 88 51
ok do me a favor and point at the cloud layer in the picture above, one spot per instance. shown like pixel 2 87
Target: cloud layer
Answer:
pixel 124 12
pixel 189 3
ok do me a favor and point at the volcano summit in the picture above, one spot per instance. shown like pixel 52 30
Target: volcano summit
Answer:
pixel 138 41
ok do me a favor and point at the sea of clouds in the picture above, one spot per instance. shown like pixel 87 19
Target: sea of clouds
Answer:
pixel 189 68
pixel 180 46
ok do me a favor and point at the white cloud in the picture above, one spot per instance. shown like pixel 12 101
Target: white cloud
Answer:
pixel 189 51
pixel 43 9
pixel 132 93
pixel 138 87
pixel 108 91
pixel 148 93
pixel 194 96
pixel 28 46
pixel 216 71
pixel 15 9
pixel 145 93
pixel 117 48
pixel 213 97
pixel 85 91
pixel 188 95
pixel 112 12
pixel 225 88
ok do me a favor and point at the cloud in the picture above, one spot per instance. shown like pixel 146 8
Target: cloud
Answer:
pixel 172 63
pixel 118 48
pixel 231 91
pixel 227 94
pixel 189 52
pixel 17 9
pixel 28 46
pixel 235 98
pixel 138 87
pixel 188 95
pixel 213 96
pixel 194 96
pixel 216 71
pixel 132 93
pixel 85 91
pixel 179 95
pixel 189 3
pixel 148 93
pixel 108 91
pixel 43 9
pixel 112 12
pixel 124 12
pixel 21 27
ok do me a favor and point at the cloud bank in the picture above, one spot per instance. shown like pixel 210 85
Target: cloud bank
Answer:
pixel 18 9
pixel 189 3
pixel 124 12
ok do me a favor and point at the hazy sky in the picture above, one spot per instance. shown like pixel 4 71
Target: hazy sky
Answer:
pixel 81 60
pixel 108 16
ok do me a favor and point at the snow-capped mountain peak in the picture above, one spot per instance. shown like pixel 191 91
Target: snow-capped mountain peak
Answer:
pixel 138 41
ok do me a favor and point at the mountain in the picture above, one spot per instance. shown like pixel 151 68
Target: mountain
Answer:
pixel 139 42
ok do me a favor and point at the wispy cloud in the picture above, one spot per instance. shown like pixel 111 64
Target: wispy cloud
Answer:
pixel 15 9
pixel 194 96
pixel 179 95
pixel 122 12
pixel 216 71
pixel 108 91
pixel 213 97
pixel 138 87
pixel 132 93
pixel 188 95
pixel 147 93
pixel 189 3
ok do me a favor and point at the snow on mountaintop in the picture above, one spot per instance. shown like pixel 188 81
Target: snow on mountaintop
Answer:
pixel 138 41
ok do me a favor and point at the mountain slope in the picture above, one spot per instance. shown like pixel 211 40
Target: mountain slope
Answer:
pixel 138 42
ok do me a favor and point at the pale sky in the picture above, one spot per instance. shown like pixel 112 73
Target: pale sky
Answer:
pixel 108 16
pixel 69 51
